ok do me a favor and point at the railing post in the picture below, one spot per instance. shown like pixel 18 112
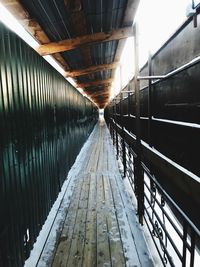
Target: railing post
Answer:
pixel 122 125
pixel 129 112
pixel 139 173
pixel 116 135
pixel 113 116
pixel 122 141
pixel 150 107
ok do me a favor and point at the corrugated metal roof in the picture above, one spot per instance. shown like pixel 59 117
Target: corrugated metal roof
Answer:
pixel 65 19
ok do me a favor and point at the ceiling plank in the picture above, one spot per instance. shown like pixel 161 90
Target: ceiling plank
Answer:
pixel 79 27
pixel 91 69
pixel 95 83
pixel 70 44
pixel 103 91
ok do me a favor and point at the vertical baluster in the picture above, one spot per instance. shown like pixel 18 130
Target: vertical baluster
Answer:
pixel 192 248
pixel 184 243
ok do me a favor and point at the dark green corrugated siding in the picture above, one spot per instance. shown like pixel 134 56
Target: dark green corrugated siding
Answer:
pixel 43 124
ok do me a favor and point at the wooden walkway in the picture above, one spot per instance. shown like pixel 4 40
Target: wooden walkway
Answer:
pixel 100 227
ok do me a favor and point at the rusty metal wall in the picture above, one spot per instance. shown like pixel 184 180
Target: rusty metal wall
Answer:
pixel 44 122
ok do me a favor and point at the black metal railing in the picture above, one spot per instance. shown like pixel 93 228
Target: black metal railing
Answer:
pixel 155 126
pixel 174 235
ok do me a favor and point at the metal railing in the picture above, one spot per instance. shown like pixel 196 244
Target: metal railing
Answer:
pixel 174 235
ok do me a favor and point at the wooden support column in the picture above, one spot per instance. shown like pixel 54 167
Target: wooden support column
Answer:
pixel 139 174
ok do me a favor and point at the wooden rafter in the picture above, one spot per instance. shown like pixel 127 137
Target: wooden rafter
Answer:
pixel 31 25
pixel 79 27
pixel 95 83
pixel 98 93
pixel 70 44
pixel 91 69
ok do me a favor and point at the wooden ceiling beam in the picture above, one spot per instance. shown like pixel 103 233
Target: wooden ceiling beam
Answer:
pixel 95 83
pixel 91 69
pixel 70 44
pixel 99 93
pixel 31 25
pixel 79 27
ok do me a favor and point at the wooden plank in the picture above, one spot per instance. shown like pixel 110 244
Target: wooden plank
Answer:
pixel 127 238
pixel 94 83
pixel 78 239
pixel 140 244
pixel 90 248
pixel 99 167
pixel 116 246
pixel 93 154
pixel 103 246
pixel 62 252
pixel 97 230
pixel 91 69
pixel 70 44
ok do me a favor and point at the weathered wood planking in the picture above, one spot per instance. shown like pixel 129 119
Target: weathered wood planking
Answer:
pixel 97 229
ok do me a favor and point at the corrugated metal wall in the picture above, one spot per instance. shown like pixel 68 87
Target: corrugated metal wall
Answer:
pixel 43 124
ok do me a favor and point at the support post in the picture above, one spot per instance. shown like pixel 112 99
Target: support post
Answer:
pixel 122 125
pixel 113 117
pixel 116 136
pixel 129 90
pixel 139 174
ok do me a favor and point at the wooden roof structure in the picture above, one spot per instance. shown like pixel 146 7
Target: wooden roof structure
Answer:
pixel 86 37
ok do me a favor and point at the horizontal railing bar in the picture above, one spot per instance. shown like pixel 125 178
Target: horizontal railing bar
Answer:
pixel 151 77
pixel 191 63
pixel 181 123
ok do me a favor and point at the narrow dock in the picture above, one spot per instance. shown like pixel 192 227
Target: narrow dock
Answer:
pixel 100 226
